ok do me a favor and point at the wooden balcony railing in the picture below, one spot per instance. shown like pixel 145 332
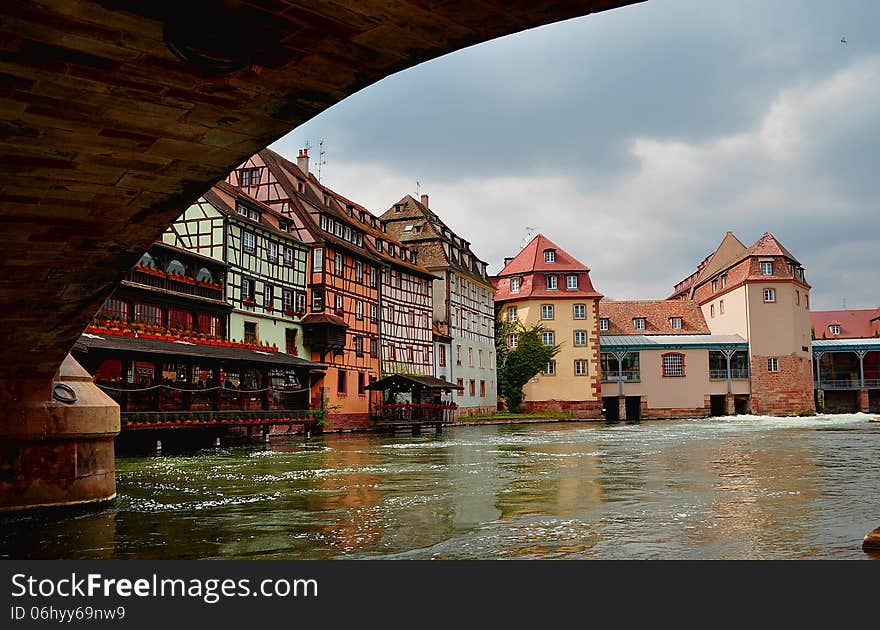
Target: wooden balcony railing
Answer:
pixel 413 414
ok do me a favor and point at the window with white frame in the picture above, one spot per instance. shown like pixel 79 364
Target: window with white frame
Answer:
pixel 580 337
pixel 673 364
pixel 550 369
pixel 552 283
pixel 772 364
pixel 769 295
pixel 549 255
pixel 676 323
pixel 603 323
pixel 548 338
pixel 511 313
pixel 318 259
pixel 546 311
pixel 248 242
pixel 512 341
pixel 834 328
pixel 721 307
pixel 714 286
pixel 724 281
pixel 581 367
pixel 515 284
pixel 639 323
pixel 580 311
pixel 340 302
pixel 571 282
pixel 766 267
pixel 359 309
pixel 272 251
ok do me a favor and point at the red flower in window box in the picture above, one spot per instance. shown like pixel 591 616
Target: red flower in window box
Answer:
pixel 248 302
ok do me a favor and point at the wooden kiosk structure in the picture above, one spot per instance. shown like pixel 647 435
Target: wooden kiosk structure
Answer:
pixel 413 401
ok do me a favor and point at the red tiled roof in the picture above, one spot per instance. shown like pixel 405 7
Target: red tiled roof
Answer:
pixel 531 259
pixel 657 314
pixel 855 324
pixel 532 269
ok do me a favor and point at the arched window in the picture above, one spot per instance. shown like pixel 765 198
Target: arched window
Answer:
pixel 210 324
pixel 176 268
pixel 148 314
pixel 178 318
pixel 115 309
pixel 148 261
pixel 204 275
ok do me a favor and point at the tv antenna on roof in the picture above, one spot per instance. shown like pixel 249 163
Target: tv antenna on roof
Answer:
pixel 321 160
pixel 529 232
pixel 418 188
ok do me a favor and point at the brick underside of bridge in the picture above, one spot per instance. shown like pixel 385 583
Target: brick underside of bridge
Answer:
pixel 107 136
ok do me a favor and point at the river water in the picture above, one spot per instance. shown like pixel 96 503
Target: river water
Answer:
pixel 743 487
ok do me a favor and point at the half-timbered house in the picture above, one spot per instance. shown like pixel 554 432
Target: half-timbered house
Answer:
pixel 464 309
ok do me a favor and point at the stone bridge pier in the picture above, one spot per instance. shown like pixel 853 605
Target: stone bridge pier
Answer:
pixel 56 442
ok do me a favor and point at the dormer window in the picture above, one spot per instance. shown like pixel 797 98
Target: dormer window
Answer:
pixel 380 244
pixel 603 323
pixel 724 281
pixel 676 323
pixel 639 323
pixel 515 285
pixel 552 283
pixel 834 328
pixel 246 211
pixel 391 249
pixel 714 286
pixel 766 267
pixel 549 255
pixel 571 282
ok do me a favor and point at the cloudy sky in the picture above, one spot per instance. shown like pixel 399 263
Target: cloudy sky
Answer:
pixel 635 138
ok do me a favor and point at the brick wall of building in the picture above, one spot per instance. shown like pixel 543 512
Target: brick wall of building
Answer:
pixel 790 390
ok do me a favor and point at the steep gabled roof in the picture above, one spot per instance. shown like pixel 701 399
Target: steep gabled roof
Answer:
pixel 433 239
pixel 530 266
pixel 531 259
pixel 768 245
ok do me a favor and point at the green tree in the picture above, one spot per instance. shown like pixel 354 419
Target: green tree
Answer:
pixel 517 366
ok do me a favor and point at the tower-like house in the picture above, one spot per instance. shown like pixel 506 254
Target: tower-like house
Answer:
pixel 463 305
pixel 760 293
pixel 544 284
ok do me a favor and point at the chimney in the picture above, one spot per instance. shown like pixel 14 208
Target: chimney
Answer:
pixel 302 160
pixel 425 201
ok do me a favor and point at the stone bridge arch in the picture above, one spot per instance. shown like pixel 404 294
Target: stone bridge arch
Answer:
pixel 117 114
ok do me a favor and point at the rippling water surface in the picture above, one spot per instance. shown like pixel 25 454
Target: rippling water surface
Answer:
pixel 744 487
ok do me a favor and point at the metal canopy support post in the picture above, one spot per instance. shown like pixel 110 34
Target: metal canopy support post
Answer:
pixel 729 352
pixel 818 356
pixel 861 354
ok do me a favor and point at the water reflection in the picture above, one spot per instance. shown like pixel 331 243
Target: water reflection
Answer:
pixel 728 488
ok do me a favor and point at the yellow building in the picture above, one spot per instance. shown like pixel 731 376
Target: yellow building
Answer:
pixel 544 284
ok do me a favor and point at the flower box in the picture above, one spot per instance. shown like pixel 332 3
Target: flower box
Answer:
pixel 250 303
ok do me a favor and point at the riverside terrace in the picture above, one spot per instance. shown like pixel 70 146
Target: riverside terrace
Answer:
pixel 162 384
